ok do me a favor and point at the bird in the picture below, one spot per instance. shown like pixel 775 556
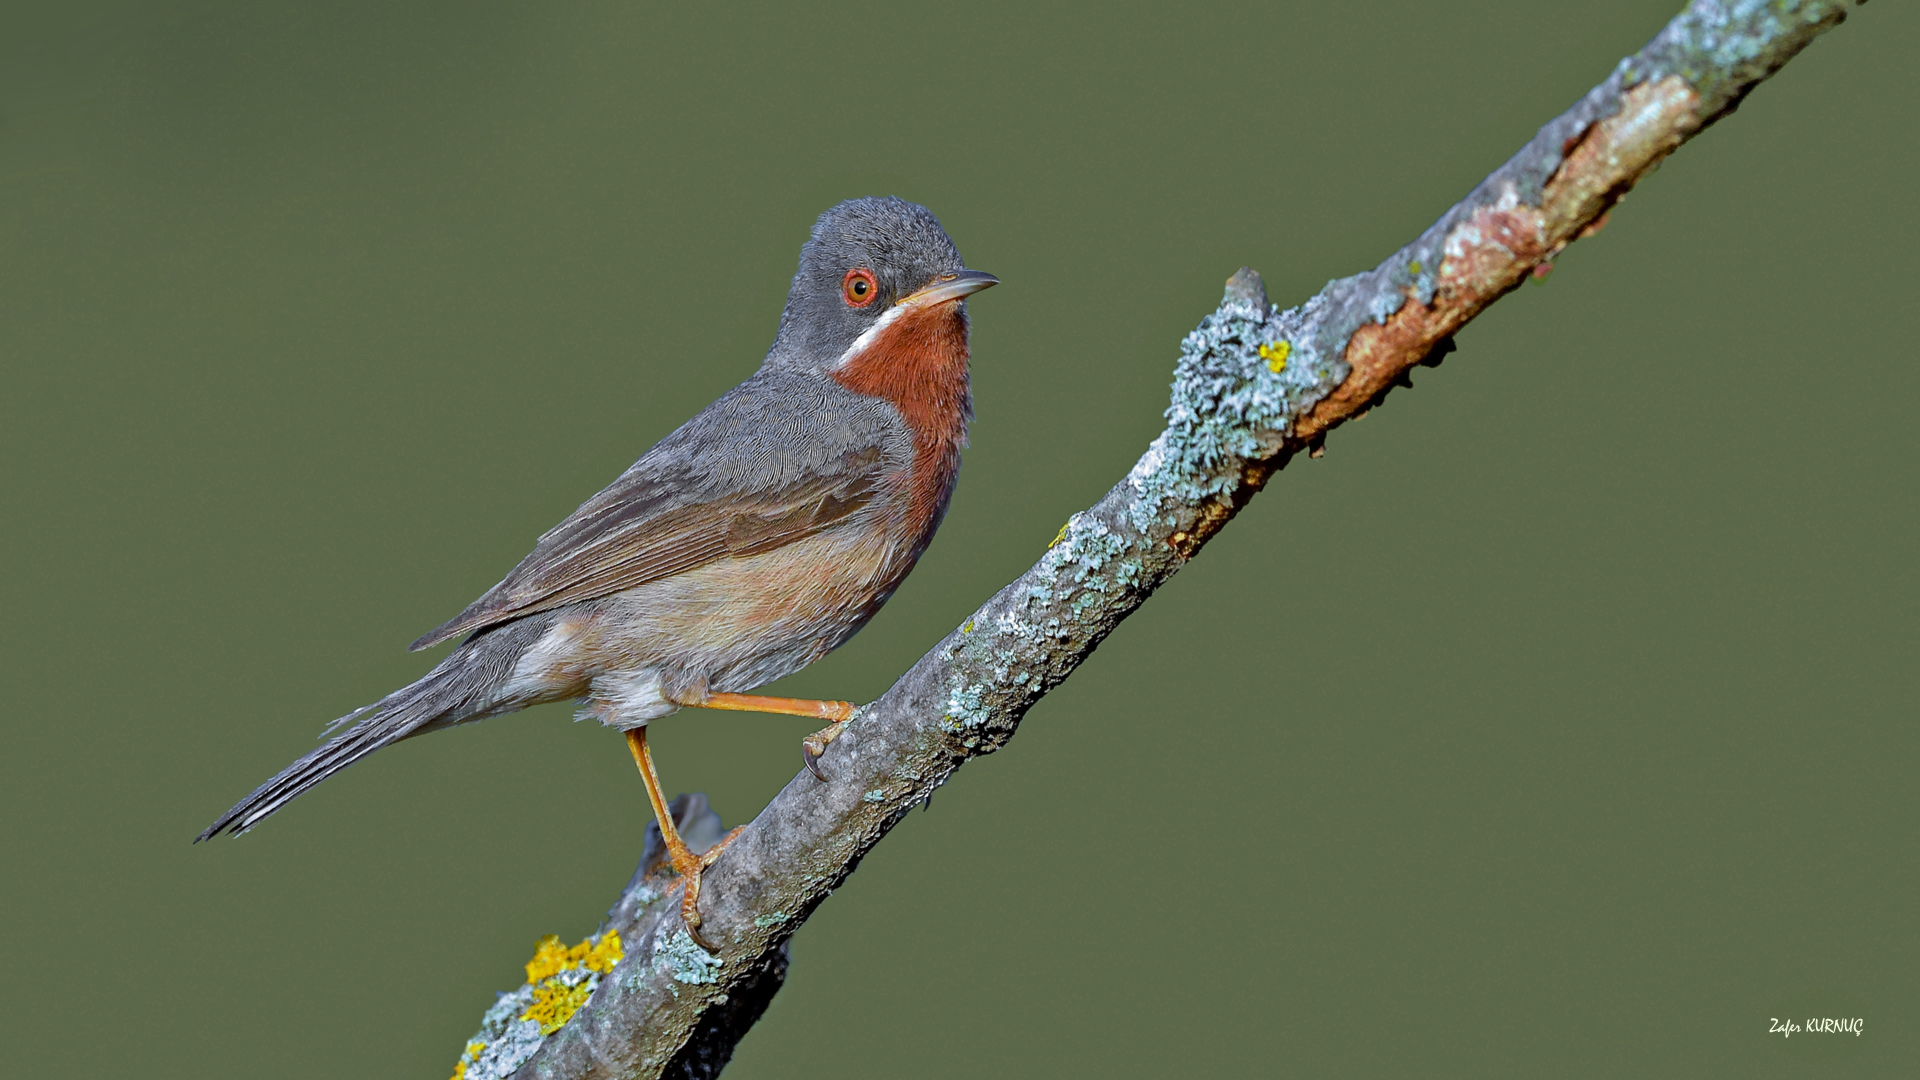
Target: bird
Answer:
pixel 748 543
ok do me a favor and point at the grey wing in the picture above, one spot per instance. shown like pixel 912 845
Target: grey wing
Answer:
pixel 755 471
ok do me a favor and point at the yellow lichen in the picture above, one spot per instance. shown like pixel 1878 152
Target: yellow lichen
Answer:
pixel 1414 268
pixel 606 953
pixel 550 958
pixel 460 1067
pixel 1059 536
pixel 1276 355
pixel 554 1002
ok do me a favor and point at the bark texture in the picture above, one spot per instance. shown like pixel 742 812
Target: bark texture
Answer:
pixel 1254 385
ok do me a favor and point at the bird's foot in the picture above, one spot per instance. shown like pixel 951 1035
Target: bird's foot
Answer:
pixel 815 744
pixel 690 867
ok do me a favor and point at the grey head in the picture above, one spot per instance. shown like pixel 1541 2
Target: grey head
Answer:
pixel 863 258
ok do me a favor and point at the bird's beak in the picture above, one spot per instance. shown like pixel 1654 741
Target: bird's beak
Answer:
pixel 954 286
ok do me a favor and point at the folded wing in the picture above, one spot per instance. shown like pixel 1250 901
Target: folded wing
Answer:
pixel 698 497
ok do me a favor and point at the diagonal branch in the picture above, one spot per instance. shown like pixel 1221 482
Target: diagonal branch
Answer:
pixel 1253 386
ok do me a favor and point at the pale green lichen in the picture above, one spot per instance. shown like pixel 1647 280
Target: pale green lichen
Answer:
pixel 1722 49
pixel 966 708
pixel 1226 395
pixel 684 960
pixel 1243 376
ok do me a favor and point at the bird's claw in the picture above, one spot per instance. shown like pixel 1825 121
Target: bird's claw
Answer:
pixel 815 744
pixel 690 869
pixel 693 932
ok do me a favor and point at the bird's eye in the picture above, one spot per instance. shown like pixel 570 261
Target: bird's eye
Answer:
pixel 859 288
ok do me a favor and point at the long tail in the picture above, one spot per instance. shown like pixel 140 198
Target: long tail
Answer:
pixel 462 687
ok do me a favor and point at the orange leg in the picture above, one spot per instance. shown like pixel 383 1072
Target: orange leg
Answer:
pixel 813 745
pixel 685 863
pixel 837 711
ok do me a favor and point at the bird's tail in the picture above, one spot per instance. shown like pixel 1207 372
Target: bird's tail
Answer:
pixel 459 689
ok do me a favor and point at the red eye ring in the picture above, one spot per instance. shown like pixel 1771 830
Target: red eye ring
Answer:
pixel 859 288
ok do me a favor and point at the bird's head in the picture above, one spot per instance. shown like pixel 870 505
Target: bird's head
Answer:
pixel 869 263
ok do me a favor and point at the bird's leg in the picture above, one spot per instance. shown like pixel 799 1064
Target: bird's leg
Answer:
pixel 685 863
pixel 813 745
pixel 837 711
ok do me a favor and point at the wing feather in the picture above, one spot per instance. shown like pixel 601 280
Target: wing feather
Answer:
pixel 691 501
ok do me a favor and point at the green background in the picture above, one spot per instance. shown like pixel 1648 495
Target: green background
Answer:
pixel 1558 722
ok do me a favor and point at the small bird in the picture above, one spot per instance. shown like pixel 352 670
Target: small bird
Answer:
pixel 747 544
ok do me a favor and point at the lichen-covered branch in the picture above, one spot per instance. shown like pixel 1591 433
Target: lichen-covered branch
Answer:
pixel 1254 385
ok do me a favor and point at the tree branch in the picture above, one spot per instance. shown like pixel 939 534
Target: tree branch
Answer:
pixel 1253 386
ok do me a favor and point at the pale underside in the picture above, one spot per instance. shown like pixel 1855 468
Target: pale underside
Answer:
pixel 727 627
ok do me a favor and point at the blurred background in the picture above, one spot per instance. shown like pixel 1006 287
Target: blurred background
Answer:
pixel 1594 752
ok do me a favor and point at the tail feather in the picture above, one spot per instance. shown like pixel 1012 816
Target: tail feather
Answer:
pixel 393 718
pixel 467 685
